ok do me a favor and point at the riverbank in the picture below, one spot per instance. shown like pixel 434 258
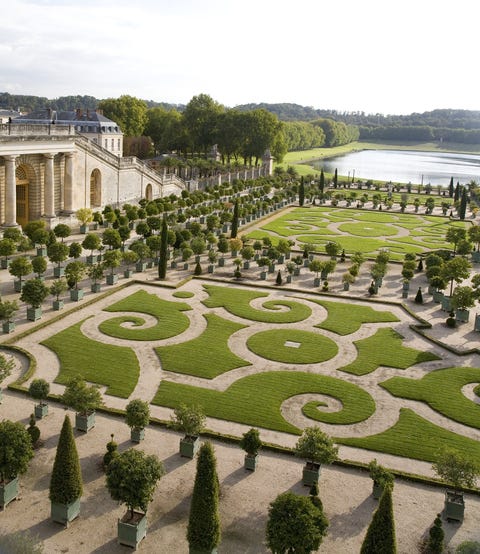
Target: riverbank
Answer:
pixel 302 159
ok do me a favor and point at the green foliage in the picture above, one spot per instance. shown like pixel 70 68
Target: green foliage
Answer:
pixel 34 292
pixel 7 247
pixel 84 215
pixel 128 112
pixel 380 475
pixel 380 537
pixel 456 469
pixel 419 296
pixel 81 397
pixel 57 252
pixel 436 536
pixel 112 451
pixel 385 348
pixel 74 272
pixel 137 413
pixel 251 442
pixel 207 355
pixel 39 389
pixel 58 287
pixel 20 267
pixel 234 228
pixel 162 264
pixel 7 365
pixel 203 532
pixel 315 446
pixel 257 399
pixel 468 547
pixel 295 524
pixel 198 269
pixel 132 477
pixel 15 450
pixel 33 430
pixel 188 419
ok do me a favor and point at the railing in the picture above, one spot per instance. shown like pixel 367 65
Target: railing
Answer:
pixel 35 130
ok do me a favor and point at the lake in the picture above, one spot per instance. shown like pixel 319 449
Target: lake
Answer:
pixel 405 166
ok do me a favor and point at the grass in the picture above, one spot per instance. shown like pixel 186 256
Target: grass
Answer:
pixel 237 302
pixel 116 367
pixel 256 399
pixel 415 437
pixel 183 294
pixel 170 319
pixel 442 391
pixel 370 229
pixel 313 348
pixel 207 355
pixel 384 348
pixel 345 319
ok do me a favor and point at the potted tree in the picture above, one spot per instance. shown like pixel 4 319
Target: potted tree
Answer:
pixel 316 448
pixel 84 216
pixel 34 293
pixel 129 257
pixel 381 478
pixel 8 247
pixel 112 260
pixel 463 298
pixel 66 485
pixel 131 479
pixel 454 270
pixel 137 415
pixel 456 470
pixel 91 242
pixel 16 451
pixel 58 287
pixel 74 273
pixel 251 443
pixel 191 421
pixel 8 309
pixel 95 272
pixel 84 399
pixel 20 267
pixel 39 266
pixel 347 279
pixel 58 253
pixel 38 390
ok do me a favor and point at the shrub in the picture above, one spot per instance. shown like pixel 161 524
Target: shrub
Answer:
pixel 198 269
pixel 251 442
pixel 436 535
pixel 33 430
pixel 419 296
pixel 112 452
pixel 39 389
pixel 137 414
pixel 15 450
pixel 188 419
pixel 380 475
pixel 315 446
pixel 81 397
pixel 380 537
pixel 456 469
pixel 203 532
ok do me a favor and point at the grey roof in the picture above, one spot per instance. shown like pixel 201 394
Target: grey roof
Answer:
pixel 90 121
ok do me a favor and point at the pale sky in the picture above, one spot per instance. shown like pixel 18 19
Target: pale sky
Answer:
pixel 377 56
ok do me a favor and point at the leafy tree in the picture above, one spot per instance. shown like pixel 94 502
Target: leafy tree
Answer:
pixel 34 293
pixel 112 259
pixel 436 534
pixel 91 242
pixel 84 215
pixel 66 484
pixel 132 477
pixel 137 414
pixel 315 446
pixel 128 112
pixel 295 524
pixel 62 231
pixel 57 252
pixel 162 262
pixel 81 397
pixel 456 269
pixel 456 469
pixel 6 366
pixel 141 249
pixel 380 537
pixel 15 450
pixel 463 204
pixel 112 451
pixel 20 267
pixel 75 250
pixel 301 193
pixel 32 226
pixel 8 247
pixel 39 389
pixel 111 238
pixel 188 419
pixel 39 265
pixel 463 298
pixel 8 308
pixel 58 287
pixel 74 272
pixel 332 248
pixel 203 532
pixel 251 442
pixel 200 117
pixel 321 185
pixel 455 235
pixel 474 235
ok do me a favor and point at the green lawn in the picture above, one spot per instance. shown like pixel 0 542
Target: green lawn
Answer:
pixel 385 348
pixel 116 367
pixel 170 319
pixel 442 391
pixel 207 355
pixel 237 302
pixel 256 399
pixel 345 319
pixel 292 346
pixel 415 437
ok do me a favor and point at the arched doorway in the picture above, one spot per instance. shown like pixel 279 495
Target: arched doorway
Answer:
pixel 95 189
pixel 22 195
pixel 149 192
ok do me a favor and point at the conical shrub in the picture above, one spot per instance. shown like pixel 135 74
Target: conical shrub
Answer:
pixel 66 480
pixel 203 531
pixel 380 537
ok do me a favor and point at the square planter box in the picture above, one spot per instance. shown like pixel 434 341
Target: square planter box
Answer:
pixel 316 282
pixel 296 271
pixel 18 285
pixel 447 303
pixel 462 315
pixel 140 266
pixel 311 474
pixel 221 262
pixel 185 266
pixel 40 410
pixel 34 314
pixel 4 263
pixel 127 273
pixel 437 296
pixel 58 272
pixel 58 305
pixel 476 257
pixel 211 268
pixel 251 462
pixel 263 275
pixel 65 513
pixel 454 506
pixel 95 287
pixel 8 492
pixel 8 327
pixel 130 533
pixel 76 294
pixel 477 323
pixel 189 446
pixel 112 279
pixel 246 265
pixel 137 434
pixel 92 259
pixel 41 252
pixel 289 279
pixel 84 422
pixel 173 265
pixel 83 229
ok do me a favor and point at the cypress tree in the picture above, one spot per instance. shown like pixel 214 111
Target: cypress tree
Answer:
pixel 419 296
pixel 463 204
pixel 322 182
pixel 162 262
pixel 203 532
pixel 380 537
pixel 436 535
pixel 301 193
pixel 335 178
pixel 450 188
pixel 278 280
pixel 456 194
pixel 66 480
pixel 234 231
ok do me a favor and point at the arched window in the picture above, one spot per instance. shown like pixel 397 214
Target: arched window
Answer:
pixel 95 189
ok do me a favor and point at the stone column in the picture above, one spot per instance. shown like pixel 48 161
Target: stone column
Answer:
pixel 68 184
pixel 10 192
pixel 49 186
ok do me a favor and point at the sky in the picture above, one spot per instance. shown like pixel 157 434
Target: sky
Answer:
pixel 375 56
